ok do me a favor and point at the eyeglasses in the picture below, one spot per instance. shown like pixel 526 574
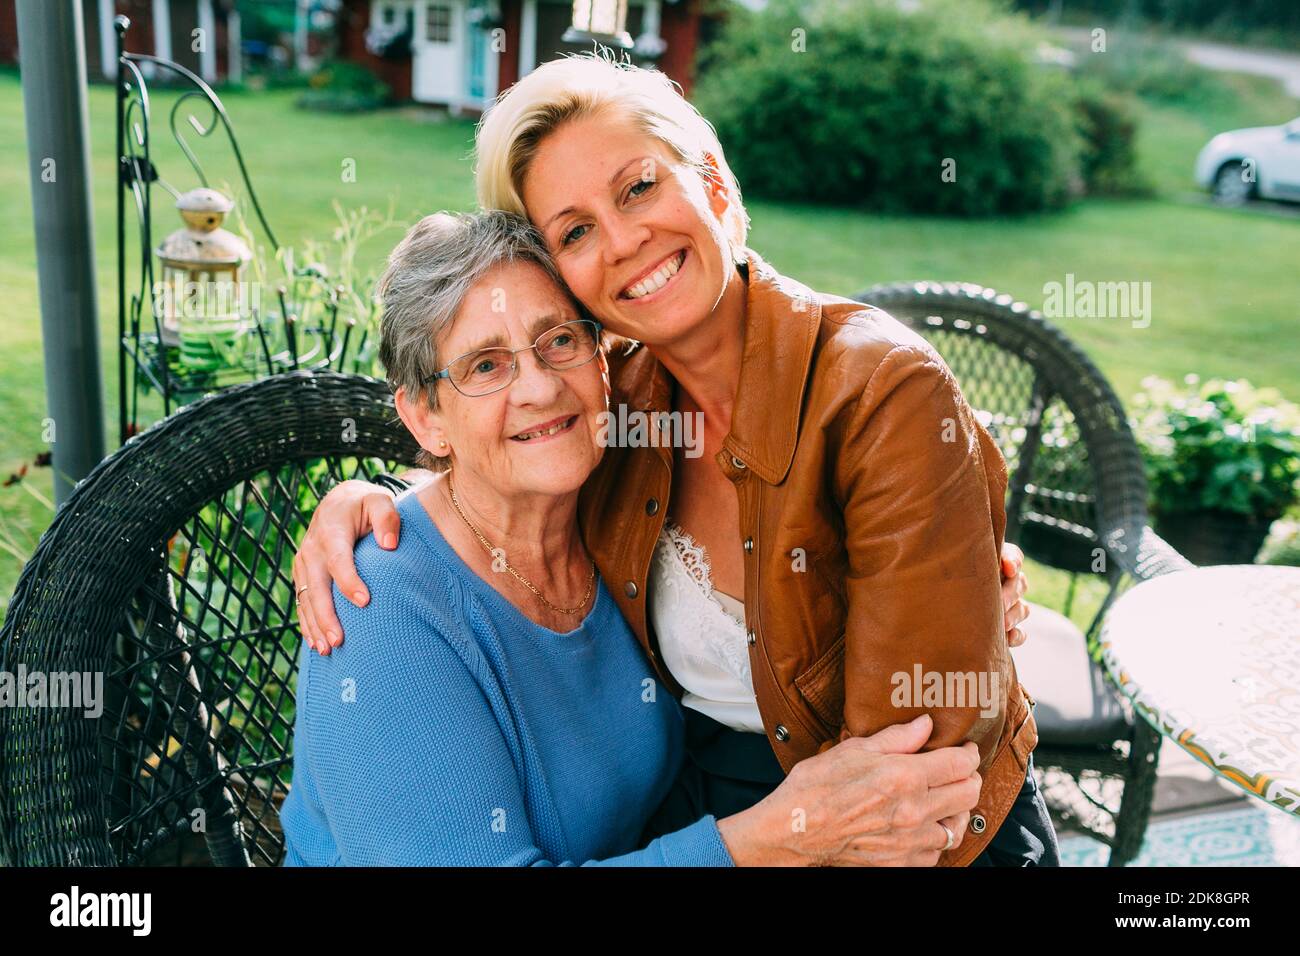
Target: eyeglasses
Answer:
pixel 485 371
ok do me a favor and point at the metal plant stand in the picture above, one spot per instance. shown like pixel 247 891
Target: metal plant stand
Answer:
pixel 300 324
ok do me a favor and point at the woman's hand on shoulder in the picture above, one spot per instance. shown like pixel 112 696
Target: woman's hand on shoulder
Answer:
pixel 867 801
pixel 350 511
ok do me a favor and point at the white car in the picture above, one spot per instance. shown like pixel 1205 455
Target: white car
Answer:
pixel 1258 163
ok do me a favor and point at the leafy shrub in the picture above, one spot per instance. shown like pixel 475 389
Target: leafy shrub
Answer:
pixel 1107 125
pixel 885 93
pixel 328 286
pixel 343 87
pixel 1218 446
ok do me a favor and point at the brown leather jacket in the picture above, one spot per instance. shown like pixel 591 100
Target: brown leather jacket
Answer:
pixel 872 504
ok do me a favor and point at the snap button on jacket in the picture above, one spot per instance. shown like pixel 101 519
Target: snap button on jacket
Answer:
pixel 872 509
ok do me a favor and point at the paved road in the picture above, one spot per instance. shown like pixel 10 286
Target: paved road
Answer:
pixel 1280 64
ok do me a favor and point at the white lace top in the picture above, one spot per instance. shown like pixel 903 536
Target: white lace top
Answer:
pixel 701 633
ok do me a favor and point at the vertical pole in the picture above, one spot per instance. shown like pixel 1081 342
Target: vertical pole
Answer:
pixel 53 51
pixel 650 45
pixel 527 38
pixel 107 63
pixel 650 19
pixel 235 54
pixel 208 52
pixel 300 14
pixel 120 26
pixel 162 29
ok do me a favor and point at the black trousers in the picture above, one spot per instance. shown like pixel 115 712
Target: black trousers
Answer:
pixel 728 770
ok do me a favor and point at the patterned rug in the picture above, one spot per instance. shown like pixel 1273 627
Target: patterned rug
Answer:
pixel 1249 836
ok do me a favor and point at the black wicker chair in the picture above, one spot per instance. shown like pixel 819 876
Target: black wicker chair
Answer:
pixel 168 572
pixel 1077 497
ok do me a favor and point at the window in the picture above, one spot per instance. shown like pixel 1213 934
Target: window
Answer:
pixel 437 23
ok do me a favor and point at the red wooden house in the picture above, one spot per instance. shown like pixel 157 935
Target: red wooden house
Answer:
pixel 454 53
pixel 202 35
pixel 461 53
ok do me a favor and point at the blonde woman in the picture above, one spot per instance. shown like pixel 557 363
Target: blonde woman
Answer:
pixel 478 718
pixel 836 535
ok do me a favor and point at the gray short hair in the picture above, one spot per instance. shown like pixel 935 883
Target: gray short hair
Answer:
pixel 430 273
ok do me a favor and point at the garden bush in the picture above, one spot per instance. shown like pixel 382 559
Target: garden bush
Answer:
pixel 1219 446
pixel 343 87
pixel 885 97
pixel 1107 125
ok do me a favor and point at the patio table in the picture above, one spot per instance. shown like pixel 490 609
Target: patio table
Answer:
pixel 1211 658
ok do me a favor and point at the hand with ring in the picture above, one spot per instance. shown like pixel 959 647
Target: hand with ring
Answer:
pixel 951 837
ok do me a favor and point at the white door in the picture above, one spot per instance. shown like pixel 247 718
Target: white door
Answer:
pixel 437 49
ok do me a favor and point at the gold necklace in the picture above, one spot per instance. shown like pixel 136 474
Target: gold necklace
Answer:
pixel 591 579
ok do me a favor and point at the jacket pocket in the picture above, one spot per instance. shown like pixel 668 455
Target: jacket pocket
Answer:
pixel 822 686
pixel 1025 738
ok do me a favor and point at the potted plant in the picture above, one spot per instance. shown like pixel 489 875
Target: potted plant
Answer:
pixel 1222 462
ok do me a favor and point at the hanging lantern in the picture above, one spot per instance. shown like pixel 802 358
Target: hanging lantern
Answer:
pixel 602 21
pixel 202 271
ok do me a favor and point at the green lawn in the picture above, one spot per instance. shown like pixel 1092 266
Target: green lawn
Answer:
pixel 1225 284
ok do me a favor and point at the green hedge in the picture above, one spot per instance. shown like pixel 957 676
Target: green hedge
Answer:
pixel 1107 127
pixel 341 86
pixel 888 95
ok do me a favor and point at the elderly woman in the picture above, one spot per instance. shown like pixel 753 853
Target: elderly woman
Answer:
pixel 829 555
pixel 492 705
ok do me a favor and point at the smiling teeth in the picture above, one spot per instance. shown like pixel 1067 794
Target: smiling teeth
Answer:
pixel 656 281
pixel 550 431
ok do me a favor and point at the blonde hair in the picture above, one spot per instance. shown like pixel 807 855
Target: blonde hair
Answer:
pixel 582 85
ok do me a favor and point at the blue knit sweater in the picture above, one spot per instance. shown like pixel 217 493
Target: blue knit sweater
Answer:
pixel 449 729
